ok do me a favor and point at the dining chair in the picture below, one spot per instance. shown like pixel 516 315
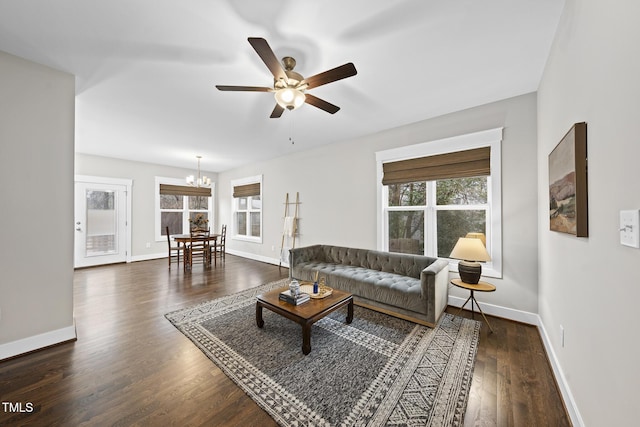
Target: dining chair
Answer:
pixel 222 247
pixel 178 249
pixel 197 248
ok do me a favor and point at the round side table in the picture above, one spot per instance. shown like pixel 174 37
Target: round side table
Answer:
pixel 480 287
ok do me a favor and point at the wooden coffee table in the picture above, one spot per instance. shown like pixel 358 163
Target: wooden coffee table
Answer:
pixel 305 314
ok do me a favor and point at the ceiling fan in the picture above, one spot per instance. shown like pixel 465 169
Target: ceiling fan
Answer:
pixel 289 86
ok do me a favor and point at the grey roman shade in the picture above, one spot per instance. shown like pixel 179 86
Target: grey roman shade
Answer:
pixel 459 164
pixel 246 190
pixel 184 190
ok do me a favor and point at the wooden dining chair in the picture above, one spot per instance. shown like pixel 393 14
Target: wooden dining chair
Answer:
pixel 222 246
pixel 197 248
pixel 219 245
pixel 178 249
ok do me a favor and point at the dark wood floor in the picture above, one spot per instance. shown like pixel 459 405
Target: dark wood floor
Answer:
pixel 130 366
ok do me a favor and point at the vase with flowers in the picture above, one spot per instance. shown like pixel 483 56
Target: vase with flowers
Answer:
pixel 199 222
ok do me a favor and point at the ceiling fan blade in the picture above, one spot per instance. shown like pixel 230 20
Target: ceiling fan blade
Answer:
pixel 321 104
pixel 277 112
pixel 265 53
pixel 338 73
pixel 244 88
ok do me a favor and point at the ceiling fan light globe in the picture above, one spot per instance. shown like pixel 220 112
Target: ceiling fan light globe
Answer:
pixel 287 95
pixel 289 98
pixel 299 98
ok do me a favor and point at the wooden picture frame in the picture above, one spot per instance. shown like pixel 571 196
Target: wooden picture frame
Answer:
pixel 568 183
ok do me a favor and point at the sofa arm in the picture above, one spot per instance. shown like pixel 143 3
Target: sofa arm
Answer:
pixel 300 255
pixel 434 282
pixel 438 266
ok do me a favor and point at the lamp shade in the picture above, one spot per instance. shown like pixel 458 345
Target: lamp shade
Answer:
pixel 480 236
pixel 470 250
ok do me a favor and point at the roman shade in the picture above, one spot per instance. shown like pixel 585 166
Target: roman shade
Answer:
pixel 459 164
pixel 184 190
pixel 246 190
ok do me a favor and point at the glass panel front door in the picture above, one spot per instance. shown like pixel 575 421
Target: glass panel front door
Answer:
pixel 100 224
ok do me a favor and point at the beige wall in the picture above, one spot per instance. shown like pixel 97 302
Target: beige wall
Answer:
pixel 588 285
pixel 337 186
pixel 36 172
pixel 142 198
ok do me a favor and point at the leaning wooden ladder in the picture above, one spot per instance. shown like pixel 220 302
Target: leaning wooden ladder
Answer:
pixel 290 225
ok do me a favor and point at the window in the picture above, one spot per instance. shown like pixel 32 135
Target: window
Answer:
pixel 453 206
pixel 433 193
pixel 247 209
pixel 176 204
pixel 101 222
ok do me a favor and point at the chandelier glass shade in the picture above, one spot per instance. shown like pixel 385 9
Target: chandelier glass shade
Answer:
pixel 201 181
pixel 289 98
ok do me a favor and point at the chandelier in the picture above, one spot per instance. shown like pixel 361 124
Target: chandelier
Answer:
pixel 201 181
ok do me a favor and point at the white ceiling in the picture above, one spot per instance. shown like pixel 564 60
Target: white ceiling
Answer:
pixel 146 69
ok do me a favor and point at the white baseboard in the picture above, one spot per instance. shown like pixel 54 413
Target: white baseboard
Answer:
pixel 36 342
pixel 268 260
pixel 248 255
pixel 572 408
pixel 148 257
pixel 499 311
pixel 534 319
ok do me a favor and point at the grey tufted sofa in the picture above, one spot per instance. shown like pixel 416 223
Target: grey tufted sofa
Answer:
pixel 411 287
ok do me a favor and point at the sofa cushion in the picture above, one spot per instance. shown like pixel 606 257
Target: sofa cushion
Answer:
pixel 404 264
pixel 386 287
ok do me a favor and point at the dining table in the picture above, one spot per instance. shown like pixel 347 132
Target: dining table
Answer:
pixel 183 239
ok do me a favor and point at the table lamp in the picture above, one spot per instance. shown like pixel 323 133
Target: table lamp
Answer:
pixel 470 250
pixel 480 236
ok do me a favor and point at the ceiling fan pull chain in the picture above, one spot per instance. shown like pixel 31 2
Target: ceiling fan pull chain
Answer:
pixel 291 129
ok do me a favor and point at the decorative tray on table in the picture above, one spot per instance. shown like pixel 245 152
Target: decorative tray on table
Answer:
pixel 307 288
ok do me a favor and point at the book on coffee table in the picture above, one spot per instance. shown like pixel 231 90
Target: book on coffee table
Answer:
pixel 286 296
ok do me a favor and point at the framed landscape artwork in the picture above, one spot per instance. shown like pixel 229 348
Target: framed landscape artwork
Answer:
pixel 568 183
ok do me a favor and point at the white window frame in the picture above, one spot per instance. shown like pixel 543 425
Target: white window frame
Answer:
pixel 235 209
pixel 185 208
pixel 491 138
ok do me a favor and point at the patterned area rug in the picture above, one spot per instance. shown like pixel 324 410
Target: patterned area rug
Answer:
pixel 377 371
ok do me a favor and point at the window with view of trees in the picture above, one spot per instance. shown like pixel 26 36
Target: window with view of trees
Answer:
pixel 176 210
pixel 431 194
pixel 248 216
pixel 247 208
pixel 454 207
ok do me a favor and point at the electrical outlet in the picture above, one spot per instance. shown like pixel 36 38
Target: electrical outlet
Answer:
pixel 148 245
pixel 561 335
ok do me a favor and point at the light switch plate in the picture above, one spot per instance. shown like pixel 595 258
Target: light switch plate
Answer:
pixel 630 228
